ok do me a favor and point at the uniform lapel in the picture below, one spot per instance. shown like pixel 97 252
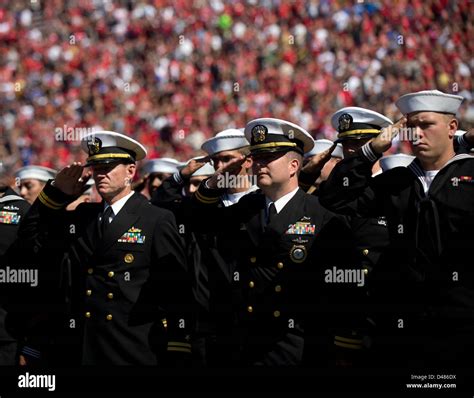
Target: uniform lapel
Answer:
pixel 92 233
pixel 122 221
pixel 292 212
pixel 256 225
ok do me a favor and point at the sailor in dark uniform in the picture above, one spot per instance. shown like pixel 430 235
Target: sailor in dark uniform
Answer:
pixel 215 253
pixel 12 210
pixel 354 334
pixel 154 172
pixel 31 179
pixel 287 242
pixel 425 287
pixel 136 299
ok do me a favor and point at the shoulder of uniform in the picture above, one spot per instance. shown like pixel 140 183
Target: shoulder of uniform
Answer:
pixel 89 207
pixel 251 198
pixel 22 204
pixel 156 211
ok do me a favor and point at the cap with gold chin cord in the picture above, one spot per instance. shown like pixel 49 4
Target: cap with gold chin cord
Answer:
pixel 108 146
pixel 354 123
pixel 276 135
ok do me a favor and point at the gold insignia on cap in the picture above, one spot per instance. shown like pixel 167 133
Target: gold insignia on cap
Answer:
pixel 129 258
pixel 259 133
pixel 298 253
pixel 345 121
pixel 94 144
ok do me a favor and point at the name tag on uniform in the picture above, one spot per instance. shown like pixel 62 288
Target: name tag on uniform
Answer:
pixel 9 217
pixel 301 228
pixel 133 235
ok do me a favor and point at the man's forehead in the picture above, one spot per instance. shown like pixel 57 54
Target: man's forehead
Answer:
pixel 356 142
pixel 29 181
pixel 106 166
pixel 424 116
pixel 269 155
pixel 225 154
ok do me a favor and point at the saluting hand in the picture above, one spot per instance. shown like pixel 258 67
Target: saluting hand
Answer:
pixel 383 141
pixel 317 162
pixel 232 167
pixel 193 166
pixel 70 179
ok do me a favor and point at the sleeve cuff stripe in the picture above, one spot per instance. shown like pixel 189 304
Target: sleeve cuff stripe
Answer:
pixel 205 199
pixel 346 345
pixel 44 199
pixel 178 344
pixel 31 352
pixel 462 141
pixel 368 153
pixel 177 177
pixel 53 202
pixel 347 340
pixel 188 350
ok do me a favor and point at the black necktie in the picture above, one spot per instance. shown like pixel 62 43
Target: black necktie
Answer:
pixel 271 212
pixel 105 219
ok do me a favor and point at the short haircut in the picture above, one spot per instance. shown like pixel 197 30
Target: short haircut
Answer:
pixel 295 155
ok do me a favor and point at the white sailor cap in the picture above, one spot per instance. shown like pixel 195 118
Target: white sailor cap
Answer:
pixel 398 160
pixel 33 172
pixel 429 101
pixel 161 165
pixel 109 147
pixel 276 135
pixel 227 140
pixel 322 145
pixel 353 122
pixel 206 170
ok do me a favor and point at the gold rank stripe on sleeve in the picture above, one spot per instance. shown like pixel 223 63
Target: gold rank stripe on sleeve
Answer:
pixel 204 199
pixel 355 344
pixel 48 202
pixel 179 346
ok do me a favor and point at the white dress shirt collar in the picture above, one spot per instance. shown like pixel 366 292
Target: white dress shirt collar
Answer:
pixel 117 206
pixel 281 203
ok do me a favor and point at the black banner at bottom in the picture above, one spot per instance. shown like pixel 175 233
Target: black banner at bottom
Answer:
pixel 16 381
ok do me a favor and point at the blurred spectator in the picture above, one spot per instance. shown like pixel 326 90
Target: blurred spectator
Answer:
pixel 171 73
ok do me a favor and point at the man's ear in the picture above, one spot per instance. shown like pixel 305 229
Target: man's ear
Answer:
pixel 247 163
pixel 453 126
pixel 131 170
pixel 294 166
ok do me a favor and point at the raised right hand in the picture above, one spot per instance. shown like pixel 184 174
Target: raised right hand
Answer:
pixel 193 166
pixel 317 162
pixel 70 181
pixel 383 141
pixel 232 167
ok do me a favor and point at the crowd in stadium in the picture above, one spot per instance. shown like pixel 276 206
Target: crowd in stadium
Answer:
pixel 172 73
